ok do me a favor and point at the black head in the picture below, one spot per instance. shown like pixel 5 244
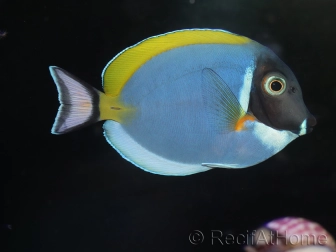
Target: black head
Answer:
pixel 276 97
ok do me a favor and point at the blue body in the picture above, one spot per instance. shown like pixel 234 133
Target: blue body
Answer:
pixel 172 120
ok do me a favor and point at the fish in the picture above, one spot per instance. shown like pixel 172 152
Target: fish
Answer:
pixel 291 234
pixel 189 101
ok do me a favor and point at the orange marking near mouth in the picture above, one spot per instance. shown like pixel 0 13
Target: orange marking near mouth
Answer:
pixel 240 124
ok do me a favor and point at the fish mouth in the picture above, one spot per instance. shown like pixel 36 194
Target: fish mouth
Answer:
pixel 305 127
pixel 303 131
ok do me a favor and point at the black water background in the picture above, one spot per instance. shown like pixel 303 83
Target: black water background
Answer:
pixel 75 193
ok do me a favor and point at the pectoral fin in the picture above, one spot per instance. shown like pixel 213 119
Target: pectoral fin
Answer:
pixel 224 110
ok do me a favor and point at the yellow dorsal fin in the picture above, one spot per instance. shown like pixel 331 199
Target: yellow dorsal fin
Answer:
pixel 120 69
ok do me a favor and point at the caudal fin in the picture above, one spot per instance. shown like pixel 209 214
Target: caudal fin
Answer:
pixel 79 102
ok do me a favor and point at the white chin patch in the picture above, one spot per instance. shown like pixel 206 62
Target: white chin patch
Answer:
pixel 303 127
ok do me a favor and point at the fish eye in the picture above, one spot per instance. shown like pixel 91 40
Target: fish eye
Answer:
pixel 274 84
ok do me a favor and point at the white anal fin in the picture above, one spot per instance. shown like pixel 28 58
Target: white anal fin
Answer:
pixel 133 152
pixel 227 166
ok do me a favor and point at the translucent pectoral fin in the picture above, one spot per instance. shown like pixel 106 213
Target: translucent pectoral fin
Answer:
pixel 222 106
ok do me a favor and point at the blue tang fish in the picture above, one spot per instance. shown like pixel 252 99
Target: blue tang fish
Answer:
pixel 188 101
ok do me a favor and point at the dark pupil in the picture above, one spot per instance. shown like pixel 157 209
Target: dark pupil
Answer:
pixel 276 86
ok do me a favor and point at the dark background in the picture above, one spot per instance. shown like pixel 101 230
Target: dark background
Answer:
pixel 75 193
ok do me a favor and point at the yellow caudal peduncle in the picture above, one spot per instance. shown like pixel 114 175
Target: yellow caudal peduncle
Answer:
pixel 111 108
